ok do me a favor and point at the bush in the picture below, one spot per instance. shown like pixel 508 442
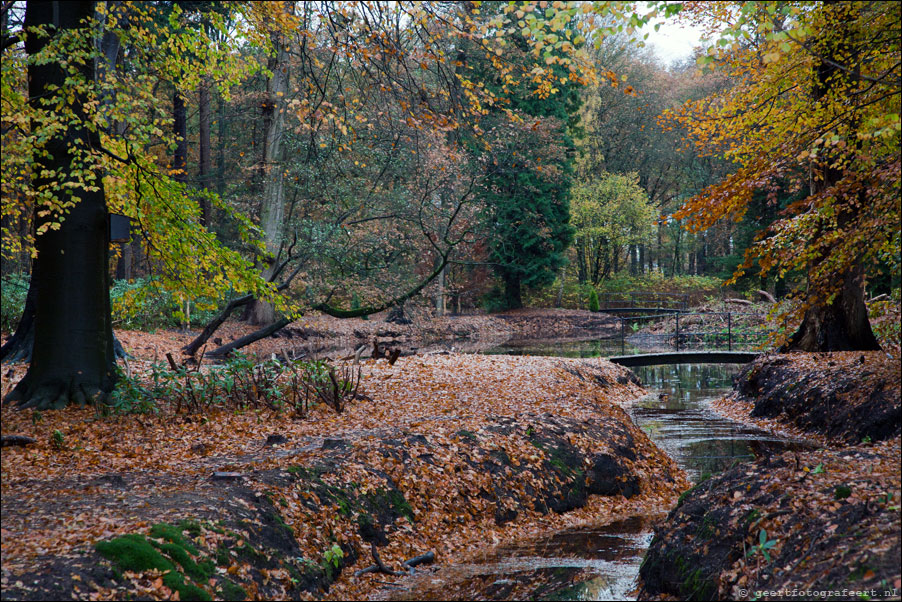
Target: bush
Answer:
pixel 593 301
pixel 141 304
pixel 241 383
pixel 13 290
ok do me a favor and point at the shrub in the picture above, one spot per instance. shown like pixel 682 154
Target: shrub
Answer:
pixel 240 383
pixel 13 290
pixel 593 301
pixel 142 304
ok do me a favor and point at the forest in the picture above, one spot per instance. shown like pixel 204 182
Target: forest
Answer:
pixel 331 299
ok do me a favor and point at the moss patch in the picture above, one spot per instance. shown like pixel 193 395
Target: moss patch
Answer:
pixel 133 552
pixel 232 591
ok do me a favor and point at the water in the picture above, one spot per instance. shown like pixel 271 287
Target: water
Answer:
pixel 592 348
pixel 602 562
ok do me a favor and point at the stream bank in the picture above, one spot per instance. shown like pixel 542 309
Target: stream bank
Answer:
pixel 445 453
pixel 803 524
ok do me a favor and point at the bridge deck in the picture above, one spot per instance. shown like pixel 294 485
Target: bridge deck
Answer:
pixel 685 357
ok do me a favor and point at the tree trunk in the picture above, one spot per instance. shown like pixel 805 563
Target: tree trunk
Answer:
pixel 73 353
pixel 204 167
pixel 843 324
pixel 440 292
pixel 220 145
pixel 513 298
pixel 559 298
pixel 180 129
pixel 582 263
pixel 272 212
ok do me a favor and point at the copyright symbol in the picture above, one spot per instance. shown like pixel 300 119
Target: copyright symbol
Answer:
pixel 743 593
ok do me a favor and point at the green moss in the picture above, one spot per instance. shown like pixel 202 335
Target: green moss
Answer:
pixel 466 433
pixel 173 534
pixel 222 555
pixel 391 499
pixel 133 553
pixel 232 591
pixel 705 530
pixel 249 554
pixel 842 492
pixel 304 472
pixel 201 571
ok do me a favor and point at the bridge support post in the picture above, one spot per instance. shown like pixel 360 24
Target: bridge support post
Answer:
pixel 678 332
pixel 622 337
pixel 729 331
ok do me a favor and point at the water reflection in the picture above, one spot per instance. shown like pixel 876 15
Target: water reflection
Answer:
pixel 677 416
pixel 592 348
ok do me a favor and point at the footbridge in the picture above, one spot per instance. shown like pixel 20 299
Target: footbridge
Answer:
pixel 684 357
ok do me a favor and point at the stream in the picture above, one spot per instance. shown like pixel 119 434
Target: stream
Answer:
pixel 602 562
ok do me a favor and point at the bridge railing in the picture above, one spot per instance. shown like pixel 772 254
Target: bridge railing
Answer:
pixel 643 299
pixel 695 330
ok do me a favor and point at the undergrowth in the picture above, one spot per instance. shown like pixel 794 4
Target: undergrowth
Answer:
pixel 241 382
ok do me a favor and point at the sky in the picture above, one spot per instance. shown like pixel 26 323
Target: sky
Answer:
pixel 673 41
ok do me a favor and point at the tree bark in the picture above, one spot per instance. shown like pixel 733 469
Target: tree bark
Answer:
pixel 272 212
pixel 842 324
pixel 73 352
pixel 180 129
pixel 204 167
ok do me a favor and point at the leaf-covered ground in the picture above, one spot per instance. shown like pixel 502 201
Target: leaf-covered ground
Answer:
pixel 810 522
pixel 448 453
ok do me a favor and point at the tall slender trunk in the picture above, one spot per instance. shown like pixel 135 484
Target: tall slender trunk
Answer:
pixel 180 129
pixel 203 146
pixel 220 145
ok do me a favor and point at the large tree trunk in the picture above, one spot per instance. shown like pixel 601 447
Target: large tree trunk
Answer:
pixel 843 324
pixel 73 349
pixel 180 129
pixel 272 212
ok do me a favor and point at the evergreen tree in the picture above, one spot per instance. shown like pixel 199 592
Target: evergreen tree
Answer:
pixel 527 192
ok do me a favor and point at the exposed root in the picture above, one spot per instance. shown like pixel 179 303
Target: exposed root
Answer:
pixel 54 395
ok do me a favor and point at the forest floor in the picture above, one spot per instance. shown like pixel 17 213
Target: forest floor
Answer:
pixel 821 524
pixel 444 453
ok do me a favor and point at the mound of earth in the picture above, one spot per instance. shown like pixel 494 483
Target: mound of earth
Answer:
pixel 446 452
pixel 847 396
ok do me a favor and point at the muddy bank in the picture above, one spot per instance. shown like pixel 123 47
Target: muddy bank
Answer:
pixel 447 452
pixel 813 521
pixel 802 521
pixel 847 397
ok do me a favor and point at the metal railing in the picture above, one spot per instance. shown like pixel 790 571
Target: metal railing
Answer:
pixel 645 299
pixel 688 333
